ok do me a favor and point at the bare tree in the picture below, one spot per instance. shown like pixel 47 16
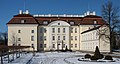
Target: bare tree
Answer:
pixel 110 15
pixel 14 42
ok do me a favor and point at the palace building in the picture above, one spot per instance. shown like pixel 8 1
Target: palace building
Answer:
pixel 56 32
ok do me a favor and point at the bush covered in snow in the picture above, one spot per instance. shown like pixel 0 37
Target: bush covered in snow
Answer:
pixel 87 56
pixel 108 57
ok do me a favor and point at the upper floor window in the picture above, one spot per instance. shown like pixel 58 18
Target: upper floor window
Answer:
pixel 22 21
pixel 75 37
pixel 63 30
pixel 32 31
pixel 53 30
pixel 45 22
pixel 19 39
pixel 19 31
pixel 58 23
pixel 45 30
pixel 95 22
pixel 53 37
pixel 58 37
pixel 58 30
pixel 32 38
pixel 44 37
pixel 44 45
pixel 41 46
pixel 63 37
pixel 41 38
pixel 72 23
pixel 41 30
pixel 75 30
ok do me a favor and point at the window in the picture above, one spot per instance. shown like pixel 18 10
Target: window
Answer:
pixel 44 45
pixel 75 30
pixel 41 46
pixel 19 31
pixel 32 38
pixel 45 30
pixel 22 21
pixel 63 30
pixel 58 23
pixel 53 37
pixel 19 39
pixel 71 37
pixel 53 30
pixel 58 37
pixel 75 45
pixel 95 22
pixel 58 30
pixel 32 45
pixel 45 22
pixel 41 30
pixel 53 45
pixel 32 31
pixel 71 30
pixel 44 37
pixel 75 37
pixel 72 23
pixel 63 45
pixel 63 37
pixel 41 38
pixel 71 45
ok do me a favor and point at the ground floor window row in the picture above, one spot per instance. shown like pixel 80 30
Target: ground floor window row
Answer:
pixel 54 45
pixel 89 45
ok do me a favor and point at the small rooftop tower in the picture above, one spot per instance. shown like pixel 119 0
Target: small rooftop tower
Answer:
pixel 27 12
pixel 21 12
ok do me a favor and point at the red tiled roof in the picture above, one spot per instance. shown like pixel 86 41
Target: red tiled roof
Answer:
pixel 92 16
pixel 29 19
pixel 91 29
pixel 23 15
pixel 90 21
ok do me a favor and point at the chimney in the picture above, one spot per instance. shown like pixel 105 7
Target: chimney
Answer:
pixel 85 14
pixel 27 12
pixel 20 11
pixel 88 13
pixel 94 13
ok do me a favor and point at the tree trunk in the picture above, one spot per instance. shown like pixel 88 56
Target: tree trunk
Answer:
pixel 8 57
pixel 1 58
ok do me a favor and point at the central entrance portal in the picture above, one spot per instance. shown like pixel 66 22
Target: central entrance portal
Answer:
pixel 60 45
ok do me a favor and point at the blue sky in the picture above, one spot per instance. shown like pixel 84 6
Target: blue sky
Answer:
pixel 8 8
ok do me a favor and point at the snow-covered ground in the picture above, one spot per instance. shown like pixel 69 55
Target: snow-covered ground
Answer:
pixel 56 58
pixel 24 59
pixel 64 58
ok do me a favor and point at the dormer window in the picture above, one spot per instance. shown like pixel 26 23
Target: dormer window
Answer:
pixel 58 23
pixel 72 23
pixel 22 21
pixel 45 22
pixel 95 22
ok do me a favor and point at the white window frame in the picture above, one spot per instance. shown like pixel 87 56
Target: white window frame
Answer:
pixel 32 38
